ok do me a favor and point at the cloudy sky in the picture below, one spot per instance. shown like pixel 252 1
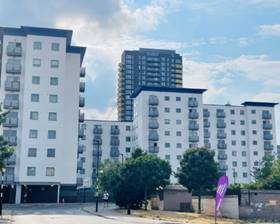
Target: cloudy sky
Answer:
pixel 232 48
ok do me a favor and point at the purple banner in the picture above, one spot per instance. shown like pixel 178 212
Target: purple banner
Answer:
pixel 220 193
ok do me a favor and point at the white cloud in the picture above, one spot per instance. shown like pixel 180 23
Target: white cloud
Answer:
pixel 110 113
pixel 270 30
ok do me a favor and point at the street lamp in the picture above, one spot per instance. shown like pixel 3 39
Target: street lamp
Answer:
pixel 1 190
pixel 233 173
pixel 96 142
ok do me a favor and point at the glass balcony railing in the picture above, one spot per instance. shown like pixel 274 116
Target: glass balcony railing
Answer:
pixel 153 149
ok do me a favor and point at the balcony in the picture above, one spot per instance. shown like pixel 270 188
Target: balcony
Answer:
pixel 206 124
pixel 97 130
pixel 11 139
pixel 81 101
pixel 193 126
pixel 153 136
pixel 223 167
pixel 207 145
pixel 266 115
pixel 193 138
pixel 221 124
pixel 13 66
pixel 153 149
pixel 97 140
pixel 81 117
pixel 114 152
pixel 220 114
pixel 153 100
pixel 193 103
pixel 10 178
pixel 222 156
pixel 12 160
pixel 83 72
pixel 206 113
pixel 82 87
pixel 153 112
pixel 12 86
pixel 115 141
pixel 153 124
pixel 79 165
pixel 267 126
pixel 81 133
pixel 81 148
pixel 115 131
pixel 267 136
pixel 268 147
pixel 11 122
pixel 221 135
pixel 80 181
pixel 207 134
pixel 193 115
pixel 14 49
pixel 222 145
pixel 96 152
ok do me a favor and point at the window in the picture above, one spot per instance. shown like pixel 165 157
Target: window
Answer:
pixel 233 132
pixel 233 142
pixel 54 63
pixel 178 121
pixel 166 98
pixel 255 153
pixel 127 139
pixel 256 163
pixel 52 116
pixel 178 98
pixel 234 153
pixel 55 46
pixel 234 174
pixel 53 81
pixel 253 111
pixel 37 45
pixel 254 122
pixel 243 143
pixel 166 121
pixel 178 133
pixel 53 98
pixel 242 112
pixel 32 152
pixel 36 80
pixel 166 109
pixel 242 132
pixel 127 128
pixel 36 62
pixel 179 157
pixel 178 110
pixel 31 171
pixel 245 174
pixel 244 164
pixel 232 122
pixel 234 164
pixel 167 145
pixel 178 145
pixel 127 150
pixel 166 133
pixel 34 115
pixel 33 133
pixel 242 122
pixel 243 153
pixel 50 171
pixel 255 143
pixel 51 134
pixel 254 132
pixel 50 152
pixel 232 112
pixel 167 157
pixel 35 97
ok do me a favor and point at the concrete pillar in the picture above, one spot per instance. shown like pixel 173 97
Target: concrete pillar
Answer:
pixel 58 193
pixel 18 194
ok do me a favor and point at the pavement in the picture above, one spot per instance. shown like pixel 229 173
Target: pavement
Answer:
pixel 70 213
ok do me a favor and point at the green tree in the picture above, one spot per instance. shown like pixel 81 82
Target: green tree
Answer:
pixel 5 147
pixel 198 171
pixel 137 153
pixel 264 169
pixel 272 182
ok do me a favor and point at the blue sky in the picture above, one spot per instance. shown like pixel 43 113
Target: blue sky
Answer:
pixel 230 47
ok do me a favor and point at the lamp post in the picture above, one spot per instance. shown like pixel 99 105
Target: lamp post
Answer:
pixel 122 157
pixel 234 177
pixel 97 171
pixel 1 190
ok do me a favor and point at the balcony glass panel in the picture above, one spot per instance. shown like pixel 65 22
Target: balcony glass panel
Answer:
pixel 14 49
pixel 153 100
pixel 13 66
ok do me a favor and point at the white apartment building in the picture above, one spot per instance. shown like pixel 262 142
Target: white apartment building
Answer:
pixel 40 85
pixel 108 139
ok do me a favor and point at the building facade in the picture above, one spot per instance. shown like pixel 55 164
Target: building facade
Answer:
pixel 150 67
pixel 40 85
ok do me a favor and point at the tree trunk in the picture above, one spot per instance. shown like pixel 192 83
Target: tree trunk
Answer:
pixel 146 201
pixel 128 209
pixel 199 201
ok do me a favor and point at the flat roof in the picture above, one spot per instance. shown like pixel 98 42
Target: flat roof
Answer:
pixel 139 89
pixel 259 104
pixel 41 31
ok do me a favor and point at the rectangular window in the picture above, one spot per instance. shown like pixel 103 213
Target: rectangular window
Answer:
pixel 54 63
pixel 245 175
pixel 232 122
pixel 234 164
pixel 166 109
pixel 255 143
pixel 254 122
pixel 178 133
pixel 36 80
pixel 233 142
pixel 53 98
pixel 166 121
pixel 127 139
pixel 127 150
pixel 166 98
pixel 50 171
pixel 178 98
pixel 254 132
pixel 179 157
pixel 242 132
pixel 33 133
pixel 55 46
pixel 50 152
pixel 51 134
pixel 167 145
pixel 242 122
pixel 52 116
pixel 234 153
pixel 255 153
pixel 53 81
pixel 167 157
pixel 37 45
pixel 31 171
pixel 232 112
pixel 127 128
pixel 244 164
pixel 166 133
pixel 32 152
pixel 253 111
pixel 233 132
pixel 178 121
pixel 34 115
pixel 242 112
pixel 244 153
pixel 36 62
pixel 35 97
pixel 178 110
pixel 243 143
pixel 179 145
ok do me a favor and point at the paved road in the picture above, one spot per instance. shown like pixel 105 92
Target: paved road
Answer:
pixel 73 214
